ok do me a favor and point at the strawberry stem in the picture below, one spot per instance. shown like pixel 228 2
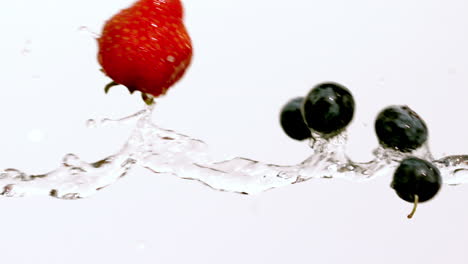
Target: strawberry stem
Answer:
pixel 149 99
pixel 110 85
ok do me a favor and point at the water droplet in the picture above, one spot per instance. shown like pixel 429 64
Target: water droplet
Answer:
pixel 9 190
pixel 128 163
pixel 381 81
pixel 91 123
pixel 141 245
pixel 76 170
pixel 36 135
pixel 26 48
pixel 12 174
pixel 70 196
pixel 106 121
pixel 333 168
pixel 25 51
pixel 71 160
pixel 286 174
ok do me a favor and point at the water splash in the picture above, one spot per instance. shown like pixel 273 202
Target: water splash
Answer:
pixel 164 151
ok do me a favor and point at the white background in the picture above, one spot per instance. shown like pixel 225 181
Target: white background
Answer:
pixel 250 57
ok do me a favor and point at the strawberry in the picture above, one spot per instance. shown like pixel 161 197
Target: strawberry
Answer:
pixel 146 47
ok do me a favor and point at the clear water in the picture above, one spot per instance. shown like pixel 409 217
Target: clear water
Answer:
pixel 166 152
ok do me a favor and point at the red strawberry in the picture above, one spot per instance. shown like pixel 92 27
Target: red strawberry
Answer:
pixel 146 46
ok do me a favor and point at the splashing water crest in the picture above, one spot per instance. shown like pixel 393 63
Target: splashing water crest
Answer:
pixel 163 151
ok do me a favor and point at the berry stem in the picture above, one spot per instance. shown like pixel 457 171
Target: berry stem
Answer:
pixel 415 206
pixel 109 85
pixel 147 98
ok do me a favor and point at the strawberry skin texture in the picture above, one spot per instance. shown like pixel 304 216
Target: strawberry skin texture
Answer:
pixel 146 46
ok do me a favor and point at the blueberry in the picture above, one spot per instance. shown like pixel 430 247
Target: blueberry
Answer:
pixel 400 128
pixel 416 181
pixel 291 120
pixel 328 108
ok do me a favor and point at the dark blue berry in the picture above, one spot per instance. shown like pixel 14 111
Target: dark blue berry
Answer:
pixel 328 108
pixel 415 176
pixel 400 128
pixel 291 120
